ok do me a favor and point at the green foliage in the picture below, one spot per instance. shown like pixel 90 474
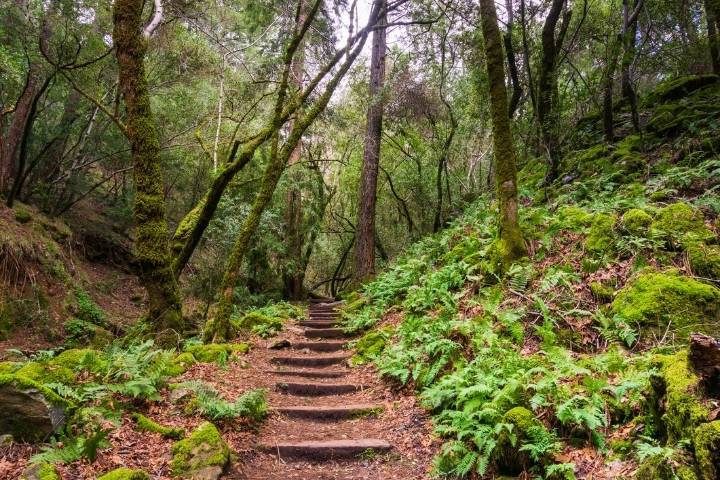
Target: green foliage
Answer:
pixel 251 405
pixel 71 449
pixel 125 474
pixel 145 424
pixel 88 310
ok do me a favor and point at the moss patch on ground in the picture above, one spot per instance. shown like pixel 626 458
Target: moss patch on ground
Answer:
pixel 145 424
pixel 125 474
pixel 371 345
pixel 217 352
pixel 707 449
pixel 680 224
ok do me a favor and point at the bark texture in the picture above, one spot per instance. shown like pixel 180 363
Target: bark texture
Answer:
pixel 511 244
pixel 151 243
pixel 365 239
pixel 712 17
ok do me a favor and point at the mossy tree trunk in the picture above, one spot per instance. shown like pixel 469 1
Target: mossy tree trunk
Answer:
pixel 511 242
pixel 220 329
pixel 365 236
pixel 712 17
pixel 512 64
pixel 151 243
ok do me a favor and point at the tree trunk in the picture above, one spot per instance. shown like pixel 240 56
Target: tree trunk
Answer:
pixel 511 244
pixel 629 34
pixel 365 241
pixel 712 17
pixel 608 86
pixel 546 88
pixel 10 145
pixel 512 64
pixel 151 243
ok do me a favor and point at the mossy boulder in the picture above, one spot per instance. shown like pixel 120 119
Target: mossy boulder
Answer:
pixel 180 364
pixel 602 293
pixel 80 332
pixel 40 471
pixel 125 474
pixel 145 424
pixel 707 449
pixel 680 224
pixel 256 319
pixel 601 238
pixel 575 219
pixel 30 411
pixel 508 457
pixel 627 154
pixel 636 222
pixel 79 358
pixel 217 352
pixel 371 345
pixel 677 397
pixel 705 260
pixel 655 300
pixel 46 373
pixel 679 87
pixel 7 368
pixel 203 455
pixel 659 467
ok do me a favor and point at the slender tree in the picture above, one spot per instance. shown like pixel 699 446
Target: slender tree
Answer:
pixel 712 17
pixel 151 243
pixel 365 239
pixel 511 244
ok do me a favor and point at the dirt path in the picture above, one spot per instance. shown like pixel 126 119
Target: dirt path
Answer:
pixel 329 421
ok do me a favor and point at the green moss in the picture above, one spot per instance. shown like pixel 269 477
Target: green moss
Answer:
pixel 76 358
pixel 181 363
pixel 508 457
pixel 704 260
pixel 204 448
pixel 125 474
pixel 371 345
pixel 679 87
pixel 682 409
pixel 81 332
pixel 659 467
pixel 681 224
pixel 707 449
pixel 41 471
pixel 587 162
pixel 574 218
pixel 215 352
pixel 23 383
pixel 145 424
pixel 656 299
pixel 22 215
pixel 601 238
pixel 603 293
pixel 46 373
pixel 627 154
pixel 354 305
pixel 7 368
pixel 256 319
pixel 636 222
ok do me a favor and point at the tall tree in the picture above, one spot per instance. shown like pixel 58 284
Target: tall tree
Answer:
pixel 712 17
pixel 511 245
pixel 552 41
pixel 151 243
pixel 365 239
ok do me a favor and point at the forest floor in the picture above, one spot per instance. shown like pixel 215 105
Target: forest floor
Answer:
pixel 370 433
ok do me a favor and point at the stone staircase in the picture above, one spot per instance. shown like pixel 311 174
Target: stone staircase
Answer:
pixel 319 402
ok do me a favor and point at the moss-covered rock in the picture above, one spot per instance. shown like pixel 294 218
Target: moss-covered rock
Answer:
pixel 217 352
pixel 7 368
pixel 680 224
pixel 707 449
pixel 572 218
pixel 371 345
pixel 678 400
pixel 204 454
pixel 40 471
pixel 30 411
pixel 78 358
pixel 705 260
pixel 636 222
pixel 659 467
pixel 46 373
pixel 80 332
pixel 679 87
pixel 655 299
pixel 145 424
pixel 508 457
pixel 627 154
pixel 601 238
pixel 255 319
pixel 125 474
pixel 180 364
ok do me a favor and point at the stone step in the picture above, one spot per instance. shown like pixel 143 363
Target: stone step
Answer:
pixel 327 450
pixel 330 413
pixel 317 389
pixel 325 333
pixel 309 373
pixel 320 346
pixel 318 323
pixel 310 361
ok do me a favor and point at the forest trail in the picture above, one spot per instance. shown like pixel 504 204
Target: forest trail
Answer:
pixel 330 421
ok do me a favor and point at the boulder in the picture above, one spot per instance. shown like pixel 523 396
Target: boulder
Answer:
pixel 201 456
pixel 30 411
